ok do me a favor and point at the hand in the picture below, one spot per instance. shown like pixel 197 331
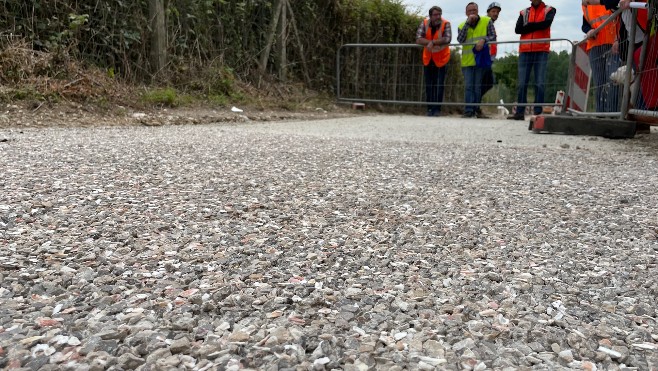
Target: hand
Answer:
pixel 438 48
pixel 615 48
pixel 430 45
pixel 591 34
pixel 472 18
pixel 625 4
pixel 479 45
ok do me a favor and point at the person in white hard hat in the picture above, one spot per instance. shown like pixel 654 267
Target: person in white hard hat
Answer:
pixel 493 10
pixel 488 80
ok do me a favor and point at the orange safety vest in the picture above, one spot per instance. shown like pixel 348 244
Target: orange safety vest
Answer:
pixel 536 15
pixel 595 15
pixel 441 57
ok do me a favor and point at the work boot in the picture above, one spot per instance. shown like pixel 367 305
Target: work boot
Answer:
pixel 479 114
pixel 517 117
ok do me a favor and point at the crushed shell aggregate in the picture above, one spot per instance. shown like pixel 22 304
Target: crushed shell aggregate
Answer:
pixel 222 247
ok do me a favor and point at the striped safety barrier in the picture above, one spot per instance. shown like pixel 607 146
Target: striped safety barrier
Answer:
pixel 580 84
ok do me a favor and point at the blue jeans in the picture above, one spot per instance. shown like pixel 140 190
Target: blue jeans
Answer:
pixel 527 62
pixel 604 63
pixel 435 78
pixel 473 84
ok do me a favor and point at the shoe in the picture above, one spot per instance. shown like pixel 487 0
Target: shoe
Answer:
pixel 481 115
pixel 433 112
pixel 468 115
pixel 516 116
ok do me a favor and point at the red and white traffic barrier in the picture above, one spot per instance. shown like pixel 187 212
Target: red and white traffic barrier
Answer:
pixel 559 101
pixel 580 84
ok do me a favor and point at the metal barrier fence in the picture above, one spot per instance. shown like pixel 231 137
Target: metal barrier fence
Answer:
pixel 579 81
pixel 393 73
pixel 616 88
pixel 642 89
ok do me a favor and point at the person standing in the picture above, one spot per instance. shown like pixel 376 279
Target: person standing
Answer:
pixel 603 61
pixel 647 81
pixel 534 23
pixel 435 35
pixel 478 30
pixel 488 80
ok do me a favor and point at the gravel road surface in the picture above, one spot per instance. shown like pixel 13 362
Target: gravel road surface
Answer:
pixel 373 242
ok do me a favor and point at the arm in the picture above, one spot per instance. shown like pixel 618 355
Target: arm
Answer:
pixel 519 26
pixel 534 26
pixel 447 35
pixel 463 32
pixel 491 32
pixel 420 35
pixel 621 36
pixel 491 36
pixel 609 4
pixel 586 27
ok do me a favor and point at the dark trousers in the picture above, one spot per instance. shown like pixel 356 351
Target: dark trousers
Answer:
pixel 473 88
pixel 488 81
pixel 603 64
pixel 435 78
pixel 527 62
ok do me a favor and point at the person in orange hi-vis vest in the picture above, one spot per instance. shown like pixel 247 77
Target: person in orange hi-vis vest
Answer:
pixel 601 56
pixel 435 34
pixel 648 97
pixel 534 23
pixel 488 80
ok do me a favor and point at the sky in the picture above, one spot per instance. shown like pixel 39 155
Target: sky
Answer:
pixel 568 18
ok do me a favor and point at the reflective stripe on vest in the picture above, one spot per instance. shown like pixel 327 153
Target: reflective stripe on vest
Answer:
pixel 473 35
pixel 441 57
pixel 536 15
pixel 595 15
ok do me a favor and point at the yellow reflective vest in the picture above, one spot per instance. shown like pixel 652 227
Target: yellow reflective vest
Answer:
pixel 473 35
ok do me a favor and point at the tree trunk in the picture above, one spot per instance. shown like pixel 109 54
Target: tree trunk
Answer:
pixel 158 36
pixel 270 36
pixel 281 60
pixel 300 47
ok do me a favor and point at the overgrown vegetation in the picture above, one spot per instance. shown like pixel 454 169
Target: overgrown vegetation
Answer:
pixel 89 49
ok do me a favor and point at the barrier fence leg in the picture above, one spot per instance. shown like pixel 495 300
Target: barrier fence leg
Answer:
pixel 629 69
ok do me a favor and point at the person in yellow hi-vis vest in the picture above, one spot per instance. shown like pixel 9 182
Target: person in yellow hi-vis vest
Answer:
pixel 479 30
pixel 435 35
pixel 601 56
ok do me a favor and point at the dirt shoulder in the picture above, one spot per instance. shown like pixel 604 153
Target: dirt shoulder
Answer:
pixel 26 115
pixel 23 115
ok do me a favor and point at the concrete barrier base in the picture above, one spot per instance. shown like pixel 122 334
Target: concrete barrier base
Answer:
pixel 608 128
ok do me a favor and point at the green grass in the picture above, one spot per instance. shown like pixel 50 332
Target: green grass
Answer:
pixel 165 97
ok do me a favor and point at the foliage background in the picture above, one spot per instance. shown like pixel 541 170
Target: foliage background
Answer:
pixel 211 44
pixel 208 40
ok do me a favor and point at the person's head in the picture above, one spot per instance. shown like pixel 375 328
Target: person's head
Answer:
pixel 435 14
pixel 471 9
pixel 493 10
pixel 535 2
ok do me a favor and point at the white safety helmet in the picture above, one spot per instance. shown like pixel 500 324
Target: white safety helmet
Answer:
pixel 495 4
